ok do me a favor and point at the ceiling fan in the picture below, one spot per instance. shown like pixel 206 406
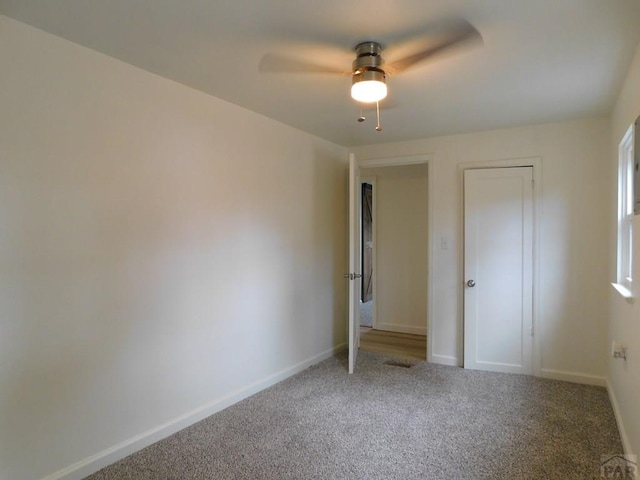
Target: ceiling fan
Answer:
pixel 369 70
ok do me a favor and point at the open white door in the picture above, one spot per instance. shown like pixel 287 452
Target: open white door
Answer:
pixel 498 269
pixel 354 275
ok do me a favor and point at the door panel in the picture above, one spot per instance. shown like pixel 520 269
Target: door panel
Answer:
pixel 498 259
pixel 354 261
pixel 367 242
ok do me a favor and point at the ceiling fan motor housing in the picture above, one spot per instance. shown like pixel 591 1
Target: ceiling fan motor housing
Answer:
pixel 368 55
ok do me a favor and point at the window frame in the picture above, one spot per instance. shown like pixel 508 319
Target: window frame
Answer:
pixel 626 166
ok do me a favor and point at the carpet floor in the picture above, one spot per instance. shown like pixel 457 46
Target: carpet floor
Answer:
pixel 392 422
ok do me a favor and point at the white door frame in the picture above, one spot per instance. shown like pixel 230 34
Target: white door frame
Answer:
pixel 414 160
pixel 536 164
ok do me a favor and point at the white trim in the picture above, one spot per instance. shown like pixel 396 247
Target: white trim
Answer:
pixel 430 260
pixel 396 161
pixel 574 377
pixel 626 445
pixel 414 160
pixel 445 360
pixel 92 464
pixel 624 252
pixel 536 164
pixel 392 327
pixel 624 291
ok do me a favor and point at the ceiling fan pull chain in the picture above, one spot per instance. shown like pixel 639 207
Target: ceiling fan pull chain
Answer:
pixel 378 126
pixel 361 118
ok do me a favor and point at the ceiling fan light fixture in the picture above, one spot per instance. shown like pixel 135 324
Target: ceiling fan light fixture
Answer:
pixel 368 85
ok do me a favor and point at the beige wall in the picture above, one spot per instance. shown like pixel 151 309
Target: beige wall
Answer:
pixel 163 253
pixel 623 315
pixel 573 237
pixel 401 251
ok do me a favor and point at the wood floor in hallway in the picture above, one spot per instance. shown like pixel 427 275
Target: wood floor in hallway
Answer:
pixel 393 343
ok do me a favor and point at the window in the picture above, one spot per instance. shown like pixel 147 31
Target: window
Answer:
pixel 625 214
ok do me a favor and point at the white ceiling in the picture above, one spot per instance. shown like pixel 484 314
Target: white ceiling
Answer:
pixel 541 61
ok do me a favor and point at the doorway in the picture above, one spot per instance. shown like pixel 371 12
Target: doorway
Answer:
pixel 354 289
pixel 366 250
pixel 394 256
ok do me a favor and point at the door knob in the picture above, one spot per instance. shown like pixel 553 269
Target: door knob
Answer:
pixel 471 283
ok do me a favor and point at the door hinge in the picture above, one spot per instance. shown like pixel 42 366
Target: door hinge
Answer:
pixel 532 330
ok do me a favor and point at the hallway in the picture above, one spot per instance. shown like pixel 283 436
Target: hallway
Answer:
pixel 393 343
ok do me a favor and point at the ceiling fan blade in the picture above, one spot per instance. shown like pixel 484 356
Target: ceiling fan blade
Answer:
pixel 271 63
pixel 456 35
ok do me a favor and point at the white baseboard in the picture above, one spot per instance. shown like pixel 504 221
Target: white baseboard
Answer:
pixel 92 464
pixel 444 360
pixel 391 327
pixel 574 377
pixel 616 411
